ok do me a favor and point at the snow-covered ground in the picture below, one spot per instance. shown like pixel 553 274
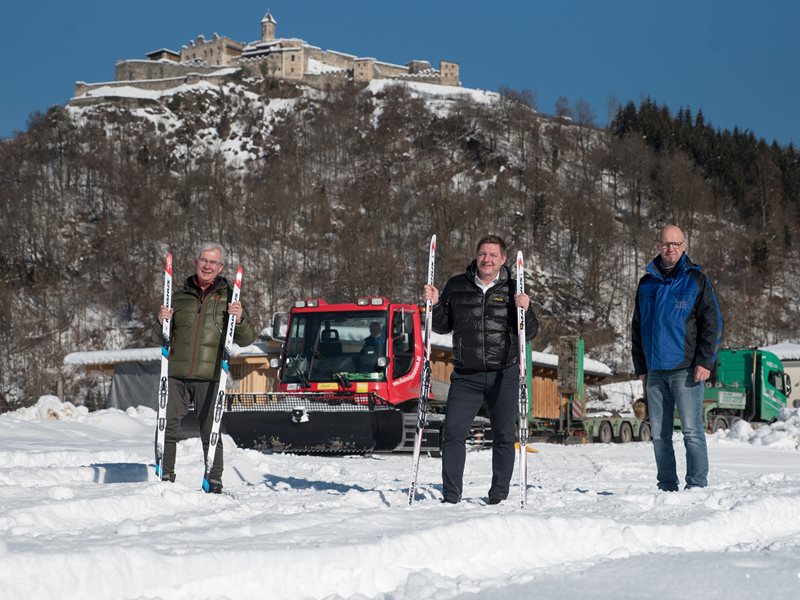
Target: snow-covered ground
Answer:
pixel 81 516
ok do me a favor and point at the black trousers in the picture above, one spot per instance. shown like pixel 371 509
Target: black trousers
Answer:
pixel 468 390
pixel 181 392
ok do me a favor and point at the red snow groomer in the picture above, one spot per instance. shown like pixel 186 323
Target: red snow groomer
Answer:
pixel 349 381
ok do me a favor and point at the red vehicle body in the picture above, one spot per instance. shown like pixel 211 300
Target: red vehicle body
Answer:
pixel 349 380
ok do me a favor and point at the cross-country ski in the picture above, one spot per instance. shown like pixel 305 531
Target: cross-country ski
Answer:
pixel 425 378
pixel 523 389
pixel 163 381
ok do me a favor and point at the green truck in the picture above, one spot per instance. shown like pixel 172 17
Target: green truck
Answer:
pixel 747 384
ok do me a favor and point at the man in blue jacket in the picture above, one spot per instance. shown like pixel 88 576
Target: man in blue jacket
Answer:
pixel 676 332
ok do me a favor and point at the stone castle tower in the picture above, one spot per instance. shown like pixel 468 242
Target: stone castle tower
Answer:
pixel 268 25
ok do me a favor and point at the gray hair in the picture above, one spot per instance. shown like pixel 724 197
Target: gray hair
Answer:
pixel 205 246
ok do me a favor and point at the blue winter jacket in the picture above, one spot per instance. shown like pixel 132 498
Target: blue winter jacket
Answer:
pixel 677 322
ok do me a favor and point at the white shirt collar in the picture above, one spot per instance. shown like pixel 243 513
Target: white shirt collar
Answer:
pixel 485 286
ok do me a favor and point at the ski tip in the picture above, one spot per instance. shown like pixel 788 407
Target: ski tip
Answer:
pixel 433 242
pixel 519 257
pixel 168 264
pixel 206 485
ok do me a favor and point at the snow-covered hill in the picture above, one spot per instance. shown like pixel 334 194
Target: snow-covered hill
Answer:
pixel 334 193
pixel 82 517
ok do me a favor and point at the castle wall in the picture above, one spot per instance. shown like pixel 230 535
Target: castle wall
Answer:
pixel 83 88
pixel 321 81
pixel 387 70
pixel 431 77
pixel 218 51
pixel 133 70
pixel 337 59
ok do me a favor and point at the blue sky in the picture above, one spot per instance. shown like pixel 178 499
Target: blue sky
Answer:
pixel 736 60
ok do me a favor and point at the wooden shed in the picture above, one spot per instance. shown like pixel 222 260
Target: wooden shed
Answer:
pixel 546 398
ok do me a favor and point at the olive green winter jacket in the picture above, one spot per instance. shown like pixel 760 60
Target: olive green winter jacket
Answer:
pixel 198 330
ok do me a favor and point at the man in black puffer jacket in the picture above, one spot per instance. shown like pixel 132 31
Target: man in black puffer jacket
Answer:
pixel 480 308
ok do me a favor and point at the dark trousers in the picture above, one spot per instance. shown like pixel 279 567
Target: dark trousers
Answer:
pixel 181 392
pixel 468 390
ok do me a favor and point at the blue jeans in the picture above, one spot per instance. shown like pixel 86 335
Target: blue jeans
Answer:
pixel 665 390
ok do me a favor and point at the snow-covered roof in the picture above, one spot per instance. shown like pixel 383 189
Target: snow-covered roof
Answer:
pixel 345 54
pixel 388 64
pixel 784 350
pixel 113 357
pixel 98 357
pixel 162 50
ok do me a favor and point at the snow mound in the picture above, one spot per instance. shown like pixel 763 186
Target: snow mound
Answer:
pixel 614 398
pixel 783 433
pixel 50 408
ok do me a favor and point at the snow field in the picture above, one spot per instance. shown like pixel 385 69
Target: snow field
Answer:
pixel 82 516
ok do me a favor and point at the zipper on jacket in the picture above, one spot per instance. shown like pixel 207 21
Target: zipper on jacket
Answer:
pixel 197 319
pixel 483 328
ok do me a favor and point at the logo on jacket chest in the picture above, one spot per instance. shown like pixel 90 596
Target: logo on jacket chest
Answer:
pixel 681 305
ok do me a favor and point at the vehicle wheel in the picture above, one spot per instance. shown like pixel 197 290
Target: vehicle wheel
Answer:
pixel 644 432
pixel 625 434
pixel 605 434
pixel 718 422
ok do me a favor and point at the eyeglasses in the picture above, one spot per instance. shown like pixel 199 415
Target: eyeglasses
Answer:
pixel 205 261
pixel 668 245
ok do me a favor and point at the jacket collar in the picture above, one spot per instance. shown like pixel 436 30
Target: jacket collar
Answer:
pixel 684 264
pixel 192 287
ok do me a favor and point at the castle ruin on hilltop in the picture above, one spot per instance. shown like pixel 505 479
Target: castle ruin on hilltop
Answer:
pixel 291 59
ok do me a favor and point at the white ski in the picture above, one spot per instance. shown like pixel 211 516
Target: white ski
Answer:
pixel 523 390
pixel 163 387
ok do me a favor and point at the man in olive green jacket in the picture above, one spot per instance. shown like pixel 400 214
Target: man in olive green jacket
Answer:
pixel 199 321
